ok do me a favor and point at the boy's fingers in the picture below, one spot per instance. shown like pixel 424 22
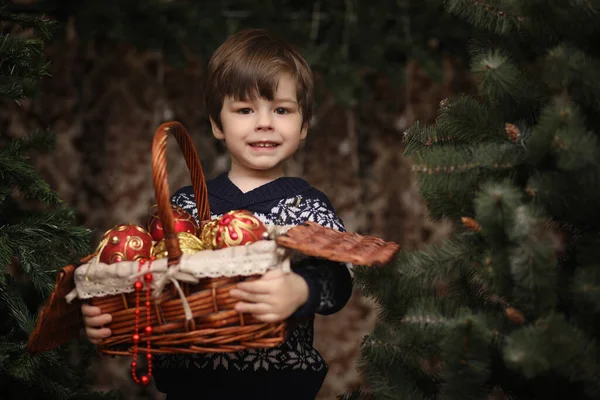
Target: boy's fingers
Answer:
pixel 268 317
pixel 252 308
pixel 97 320
pixel 249 296
pixel 259 287
pixel 90 311
pixel 96 335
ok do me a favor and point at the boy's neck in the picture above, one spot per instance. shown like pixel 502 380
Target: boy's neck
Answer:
pixel 249 180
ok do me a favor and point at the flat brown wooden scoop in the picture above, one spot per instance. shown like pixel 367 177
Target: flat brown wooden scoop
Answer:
pixel 316 240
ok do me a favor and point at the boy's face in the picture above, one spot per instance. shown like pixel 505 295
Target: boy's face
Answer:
pixel 260 134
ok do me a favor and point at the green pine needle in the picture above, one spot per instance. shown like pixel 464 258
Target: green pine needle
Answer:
pixel 467 361
pixel 501 81
pixel 570 68
pixel 17 309
pixel 586 284
pixel 18 172
pixel 485 15
pixel 495 209
pixel 464 168
pixel 553 345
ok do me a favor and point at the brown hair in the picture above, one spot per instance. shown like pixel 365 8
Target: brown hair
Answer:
pixel 249 64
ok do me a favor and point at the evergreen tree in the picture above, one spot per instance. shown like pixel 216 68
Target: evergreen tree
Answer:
pixel 37 235
pixel 508 307
pixel 343 40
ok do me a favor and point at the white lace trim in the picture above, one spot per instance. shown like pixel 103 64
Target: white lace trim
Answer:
pixel 95 279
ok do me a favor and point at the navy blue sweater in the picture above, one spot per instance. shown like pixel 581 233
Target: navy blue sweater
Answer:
pixel 294 369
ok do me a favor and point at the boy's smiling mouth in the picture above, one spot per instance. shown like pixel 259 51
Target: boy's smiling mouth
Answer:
pixel 264 144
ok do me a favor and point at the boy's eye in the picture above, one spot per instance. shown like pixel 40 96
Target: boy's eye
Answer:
pixel 244 110
pixel 281 110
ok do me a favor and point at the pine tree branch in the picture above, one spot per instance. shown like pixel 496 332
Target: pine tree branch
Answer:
pixel 42 141
pixel 461 169
pixel 5 259
pixel 17 172
pixel 38 276
pixel 502 82
pixel 466 360
pixel 461 121
pixel 21 66
pixel 415 274
pixel 420 136
pixel 357 394
pixel 49 231
pixel 484 15
pixel 553 345
pixel 17 308
pixel 496 206
pixel 27 17
pixel 489 8
pixel 488 298
pixel 569 69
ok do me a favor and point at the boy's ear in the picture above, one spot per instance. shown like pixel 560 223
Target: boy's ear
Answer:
pixel 217 132
pixel 304 131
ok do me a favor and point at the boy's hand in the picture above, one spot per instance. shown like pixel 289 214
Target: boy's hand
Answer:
pixel 94 319
pixel 273 297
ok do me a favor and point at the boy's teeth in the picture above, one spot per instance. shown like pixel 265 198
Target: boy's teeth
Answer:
pixel 264 144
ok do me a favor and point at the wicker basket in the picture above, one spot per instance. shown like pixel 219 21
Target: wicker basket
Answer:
pixel 215 326
pixel 190 312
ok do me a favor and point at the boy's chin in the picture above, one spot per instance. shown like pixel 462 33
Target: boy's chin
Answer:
pixel 266 168
pixel 262 166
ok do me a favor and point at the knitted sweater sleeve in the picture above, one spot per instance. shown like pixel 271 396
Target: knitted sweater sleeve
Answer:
pixel 329 282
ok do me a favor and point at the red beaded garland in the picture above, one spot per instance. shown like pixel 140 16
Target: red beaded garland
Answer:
pixel 145 379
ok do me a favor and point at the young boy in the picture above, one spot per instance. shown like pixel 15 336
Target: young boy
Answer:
pixel 259 99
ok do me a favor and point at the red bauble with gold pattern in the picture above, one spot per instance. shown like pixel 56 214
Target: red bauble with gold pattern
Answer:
pixel 184 222
pixel 235 228
pixel 125 242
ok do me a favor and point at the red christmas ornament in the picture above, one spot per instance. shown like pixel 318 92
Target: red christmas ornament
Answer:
pixel 235 228
pixel 125 242
pixel 184 222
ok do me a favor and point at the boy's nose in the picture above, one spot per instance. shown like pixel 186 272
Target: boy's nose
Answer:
pixel 264 122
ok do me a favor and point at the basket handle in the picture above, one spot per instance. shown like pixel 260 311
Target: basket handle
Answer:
pixel 161 185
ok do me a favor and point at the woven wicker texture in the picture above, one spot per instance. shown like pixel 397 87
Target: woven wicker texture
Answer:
pixel 58 322
pixel 316 240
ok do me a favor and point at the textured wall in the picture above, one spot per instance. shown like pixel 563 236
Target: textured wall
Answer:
pixel 105 101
